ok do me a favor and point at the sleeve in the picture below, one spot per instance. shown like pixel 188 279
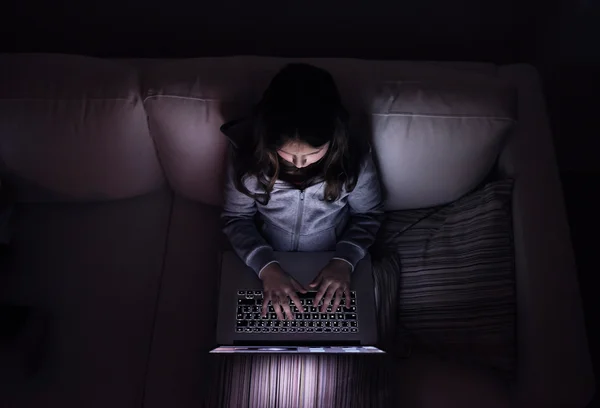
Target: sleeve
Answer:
pixel 366 214
pixel 239 226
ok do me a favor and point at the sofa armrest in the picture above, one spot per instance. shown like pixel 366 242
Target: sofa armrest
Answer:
pixel 554 366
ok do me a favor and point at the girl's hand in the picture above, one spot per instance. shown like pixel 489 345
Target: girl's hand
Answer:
pixel 277 287
pixel 334 280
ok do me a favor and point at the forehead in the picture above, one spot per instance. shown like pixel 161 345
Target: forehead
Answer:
pixel 299 148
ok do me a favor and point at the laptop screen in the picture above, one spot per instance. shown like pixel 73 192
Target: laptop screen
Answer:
pixel 298 349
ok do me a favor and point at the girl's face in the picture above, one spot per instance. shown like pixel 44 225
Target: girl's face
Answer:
pixel 302 154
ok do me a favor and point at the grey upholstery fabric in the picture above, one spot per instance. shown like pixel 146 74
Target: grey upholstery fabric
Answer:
pixel 179 367
pixel 93 271
pixel 74 128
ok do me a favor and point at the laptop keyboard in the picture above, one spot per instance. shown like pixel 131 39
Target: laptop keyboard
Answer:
pixel 308 320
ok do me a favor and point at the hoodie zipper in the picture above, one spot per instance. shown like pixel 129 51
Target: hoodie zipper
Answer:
pixel 298 221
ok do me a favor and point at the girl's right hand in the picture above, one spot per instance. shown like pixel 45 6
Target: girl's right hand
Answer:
pixel 278 286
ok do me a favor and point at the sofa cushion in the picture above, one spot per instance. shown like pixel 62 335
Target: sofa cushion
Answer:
pixel 93 271
pixel 73 128
pixel 437 141
pixel 179 366
pixel 188 100
pixel 457 280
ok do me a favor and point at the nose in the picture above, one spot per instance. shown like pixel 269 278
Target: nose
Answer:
pixel 300 162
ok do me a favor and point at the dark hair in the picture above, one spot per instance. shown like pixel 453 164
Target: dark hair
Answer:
pixel 302 103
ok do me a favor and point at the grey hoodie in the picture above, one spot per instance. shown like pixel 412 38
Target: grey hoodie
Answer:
pixel 301 220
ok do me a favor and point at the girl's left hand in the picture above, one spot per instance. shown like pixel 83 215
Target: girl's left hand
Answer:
pixel 333 280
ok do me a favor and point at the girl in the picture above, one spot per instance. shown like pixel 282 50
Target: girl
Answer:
pixel 299 181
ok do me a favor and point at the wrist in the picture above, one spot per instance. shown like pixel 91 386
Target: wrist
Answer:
pixel 269 270
pixel 340 263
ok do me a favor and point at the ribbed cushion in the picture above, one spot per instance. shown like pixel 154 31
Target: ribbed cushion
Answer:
pixel 455 281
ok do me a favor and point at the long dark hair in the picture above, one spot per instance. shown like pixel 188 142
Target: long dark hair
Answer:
pixel 302 103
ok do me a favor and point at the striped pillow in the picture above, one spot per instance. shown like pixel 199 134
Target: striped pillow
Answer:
pixel 456 289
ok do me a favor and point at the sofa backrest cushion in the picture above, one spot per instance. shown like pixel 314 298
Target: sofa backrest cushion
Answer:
pixel 436 141
pixel 74 128
pixel 436 128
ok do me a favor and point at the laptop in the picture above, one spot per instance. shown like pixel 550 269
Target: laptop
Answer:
pixel 242 329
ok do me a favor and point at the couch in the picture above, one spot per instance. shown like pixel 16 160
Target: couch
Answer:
pixel 116 166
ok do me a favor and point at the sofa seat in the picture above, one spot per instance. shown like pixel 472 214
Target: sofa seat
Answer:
pixel 92 271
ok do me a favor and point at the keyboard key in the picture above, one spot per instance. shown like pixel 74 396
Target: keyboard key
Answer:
pixel 247 316
pixel 352 294
pixel 269 323
pixel 323 316
pixel 345 330
pixel 256 316
pixel 272 316
pixel 336 330
pixel 285 323
pixel 353 330
pixel 315 316
pixel 310 330
pixel 332 316
pixel 302 324
pixel 327 330
pixel 340 316
pixel 258 292
pixel 319 330
pixel 350 316
pixel 240 316
pixel 265 330
pixel 298 316
pixel 239 329
pixel 292 330
pixel 345 324
pixel 312 309
pixel 274 330
pixel 294 323
pixel 336 323
pixel 246 302
pixel 353 323
pixel 301 330
pixel 328 323
pixel 277 323
pixel 256 330
pixel 283 330
pixel 251 323
pixel 306 316
pixel 241 323
pixel 311 324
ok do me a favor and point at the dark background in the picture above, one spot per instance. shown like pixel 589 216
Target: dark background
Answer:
pixel 560 37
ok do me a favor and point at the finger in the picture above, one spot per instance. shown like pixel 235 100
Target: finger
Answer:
pixel 330 294
pixel 287 309
pixel 316 282
pixel 277 307
pixel 338 299
pixel 296 301
pixel 320 293
pixel 265 305
pixel 298 286
pixel 347 290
